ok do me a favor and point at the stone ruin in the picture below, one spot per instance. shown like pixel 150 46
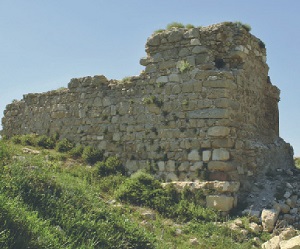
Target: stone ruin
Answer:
pixel 203 113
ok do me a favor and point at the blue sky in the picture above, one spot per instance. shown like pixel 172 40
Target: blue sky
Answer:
pixel 43 44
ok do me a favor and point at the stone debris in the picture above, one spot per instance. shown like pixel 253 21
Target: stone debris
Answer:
pixel 30 151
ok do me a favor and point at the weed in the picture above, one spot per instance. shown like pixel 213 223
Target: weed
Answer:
pixel 45 142
pixel 189 26
pixel 184 66
pixel 76 152
pixel 158 31
pixel 246 26
pixel 175 25
pixel 64 145
pixel 112 165
pixel 92 155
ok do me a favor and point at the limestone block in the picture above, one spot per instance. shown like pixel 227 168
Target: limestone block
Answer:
pixel 171 177
pixel 195 42
pixel 174 77
pixel 170 166
pixel 206 155
pixel 254 227
pixel 218 131
pixel 194 156
pixel 175 36
pixel 116 137
pixel 269 218
pixel 220 155
pixel 220 166
pixel 176 89
pixel 187 88
pixel 220 202
pixel 166 65
pixel 293 243
pixel 144 61
pixel 201 58
pixel 154 40
pixel 220 84
pixel 224 186
pixel 209 113
pixel 273 243
pixel 161 166
pixel 162 79
pixel 184 166
pixel 184 52
pixel 196 166
pixel 199 50
pixel 131 165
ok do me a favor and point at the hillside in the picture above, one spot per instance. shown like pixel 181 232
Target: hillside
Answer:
pixel 52 199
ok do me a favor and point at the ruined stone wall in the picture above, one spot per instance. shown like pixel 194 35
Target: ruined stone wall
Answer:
pixel 203 108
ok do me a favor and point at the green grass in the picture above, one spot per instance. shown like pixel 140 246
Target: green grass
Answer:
pixel 51 200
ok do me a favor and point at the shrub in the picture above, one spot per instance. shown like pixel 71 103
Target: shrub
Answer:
pixel 112 165
pixel 46 142
pixel 76 152
pixel 28 139
pixel 64 145
pixel 138 188
pixel 5 152
pixel 158 31
pixel 246 26
pixel 92 155
pixel 16 139
pixel 189 26
pixel 184 66
pixel 176 25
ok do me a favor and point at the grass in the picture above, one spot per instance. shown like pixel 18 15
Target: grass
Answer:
pixel 51 200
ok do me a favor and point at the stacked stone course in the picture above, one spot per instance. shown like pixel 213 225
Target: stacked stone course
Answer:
pixel 203 108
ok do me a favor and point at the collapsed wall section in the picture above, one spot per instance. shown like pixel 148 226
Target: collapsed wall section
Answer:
pixel 204 108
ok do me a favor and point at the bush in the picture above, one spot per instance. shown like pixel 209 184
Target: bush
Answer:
pixel 28 139
pixel 16 139
pixel 5 152
pixel 76 152
pixel 175 25
pixel 184 66
pixel 46 142
pixel 64 145
pixel 189 26
pixel 92 155
pixel 246 26
pixel 112 165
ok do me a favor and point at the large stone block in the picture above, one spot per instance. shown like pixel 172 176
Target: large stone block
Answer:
pixel 293 243
pixel 194 156
pixel 220 155
pixel 269 218
pixel 209 113
pixel 218 131
pixel 220 202
pixel 220 166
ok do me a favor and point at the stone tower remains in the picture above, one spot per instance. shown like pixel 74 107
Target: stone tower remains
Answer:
pixel 203 108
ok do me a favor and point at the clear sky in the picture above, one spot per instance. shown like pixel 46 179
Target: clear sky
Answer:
pixel 43 44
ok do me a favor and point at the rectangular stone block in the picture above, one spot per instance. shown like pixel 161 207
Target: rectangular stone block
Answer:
pixel 218 131
pixel 209 113
pixel 220 155
pixel 220 166
pixel 220 202
pixel 219 84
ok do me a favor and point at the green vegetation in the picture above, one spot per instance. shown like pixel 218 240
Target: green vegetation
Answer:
pixel 246 26
pixel 50 200
pixel 184 66
pixel 176 25
pixel 189 26
pixel 152 100
pixel 297 162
